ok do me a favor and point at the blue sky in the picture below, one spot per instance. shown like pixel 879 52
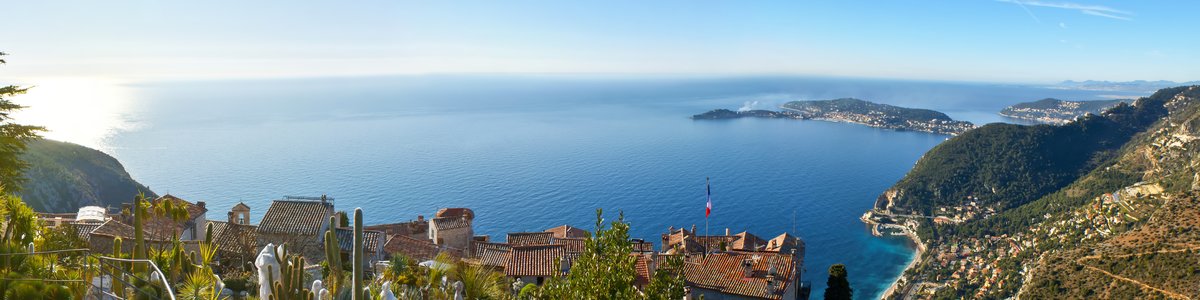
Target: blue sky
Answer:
pixel 975 40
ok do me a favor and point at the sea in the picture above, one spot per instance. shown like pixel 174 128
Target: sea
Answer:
pixel 530 152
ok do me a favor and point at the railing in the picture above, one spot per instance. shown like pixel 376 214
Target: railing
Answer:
pixel 108 261
pixel 107 266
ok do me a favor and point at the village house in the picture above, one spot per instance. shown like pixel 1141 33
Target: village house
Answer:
pixel 683 241
pixel 567 231
pixel 235 239
pixel 417 229
pixel 530 238
pixel 452 228
pixel 101 238
pixel 493 255
pixel 418 249
pixel 298 222
pixel 372 245
pixel 190 229
pixel 744 275
pixel 535 264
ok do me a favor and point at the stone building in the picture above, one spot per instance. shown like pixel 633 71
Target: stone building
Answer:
pixel 298 223
pixel 452 232
pixel 235 239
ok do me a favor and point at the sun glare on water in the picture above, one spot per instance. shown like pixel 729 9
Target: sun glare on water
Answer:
pixel 84 111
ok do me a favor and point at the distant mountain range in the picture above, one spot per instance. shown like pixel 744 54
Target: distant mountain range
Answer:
pixel 63 177
pixel 1141 86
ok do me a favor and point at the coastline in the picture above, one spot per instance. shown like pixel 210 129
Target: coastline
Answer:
pixel 912 237
pixel 912 263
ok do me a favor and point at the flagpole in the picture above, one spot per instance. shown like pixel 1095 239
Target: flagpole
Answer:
pixel 708 190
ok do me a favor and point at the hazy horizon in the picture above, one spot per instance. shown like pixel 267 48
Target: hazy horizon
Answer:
pixel 1005 41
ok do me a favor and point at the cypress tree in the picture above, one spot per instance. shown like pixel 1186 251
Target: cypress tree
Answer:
pixel 838 286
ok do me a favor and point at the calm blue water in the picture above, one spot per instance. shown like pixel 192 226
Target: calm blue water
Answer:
pixel 528 153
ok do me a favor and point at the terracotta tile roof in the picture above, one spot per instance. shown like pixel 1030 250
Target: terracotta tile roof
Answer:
pixel 529 238
pixel 643 270
pixel 723 272
pixel 491 254
pixel 747 242
pixel 785 243
pixel 417 249
pixel 542 260
pixel 570 244
pixel 450 223
pixel 566 231
pixel 455 212
pixel 234 238
pixel 193 209
pixel 345 238
pixel 85 229
pixel 113 228
pixel 413 229
pixel 296 217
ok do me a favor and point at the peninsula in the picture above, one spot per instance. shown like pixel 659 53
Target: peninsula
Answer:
pixel 852 110
pixel 1055 111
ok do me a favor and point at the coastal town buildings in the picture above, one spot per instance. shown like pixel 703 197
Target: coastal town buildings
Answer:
pixel 729 266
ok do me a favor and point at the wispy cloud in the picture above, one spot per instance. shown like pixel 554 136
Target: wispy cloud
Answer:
pixel 1087 9
pixel 1107 15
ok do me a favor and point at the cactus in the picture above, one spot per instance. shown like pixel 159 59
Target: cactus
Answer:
pixel 290 285
pixel 139 245
pixel 358 257
pixel 333 258
pixel 117 253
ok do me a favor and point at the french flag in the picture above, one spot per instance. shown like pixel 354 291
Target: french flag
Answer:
pixel 708 191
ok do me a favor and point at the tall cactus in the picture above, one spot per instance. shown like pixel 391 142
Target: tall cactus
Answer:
pixel 139 244
pixel 333 258
pixel 290 285
pixel 117 253
pixel 358 257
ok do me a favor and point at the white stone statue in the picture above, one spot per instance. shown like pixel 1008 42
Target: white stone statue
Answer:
pixel 266 258
pixel 516 287
pixel 316 290
pixel 386 293
pixel 458 290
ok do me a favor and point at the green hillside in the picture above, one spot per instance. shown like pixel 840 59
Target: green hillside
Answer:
pixel 1105 207
pixel 1007 165
pixel 64 176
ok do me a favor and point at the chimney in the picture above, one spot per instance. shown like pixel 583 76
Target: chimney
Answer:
pixel 232 218
pixel 420 218
pixel 726 231
pixel 322 198
pixel 747 268
pixel 200 204
pixel 693 229
pixel 564 265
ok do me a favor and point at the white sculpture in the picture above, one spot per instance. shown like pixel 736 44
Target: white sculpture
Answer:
pixel 317 288
pixel 266 258
pixel 516 287
pixel 458 290
pixel 386 293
